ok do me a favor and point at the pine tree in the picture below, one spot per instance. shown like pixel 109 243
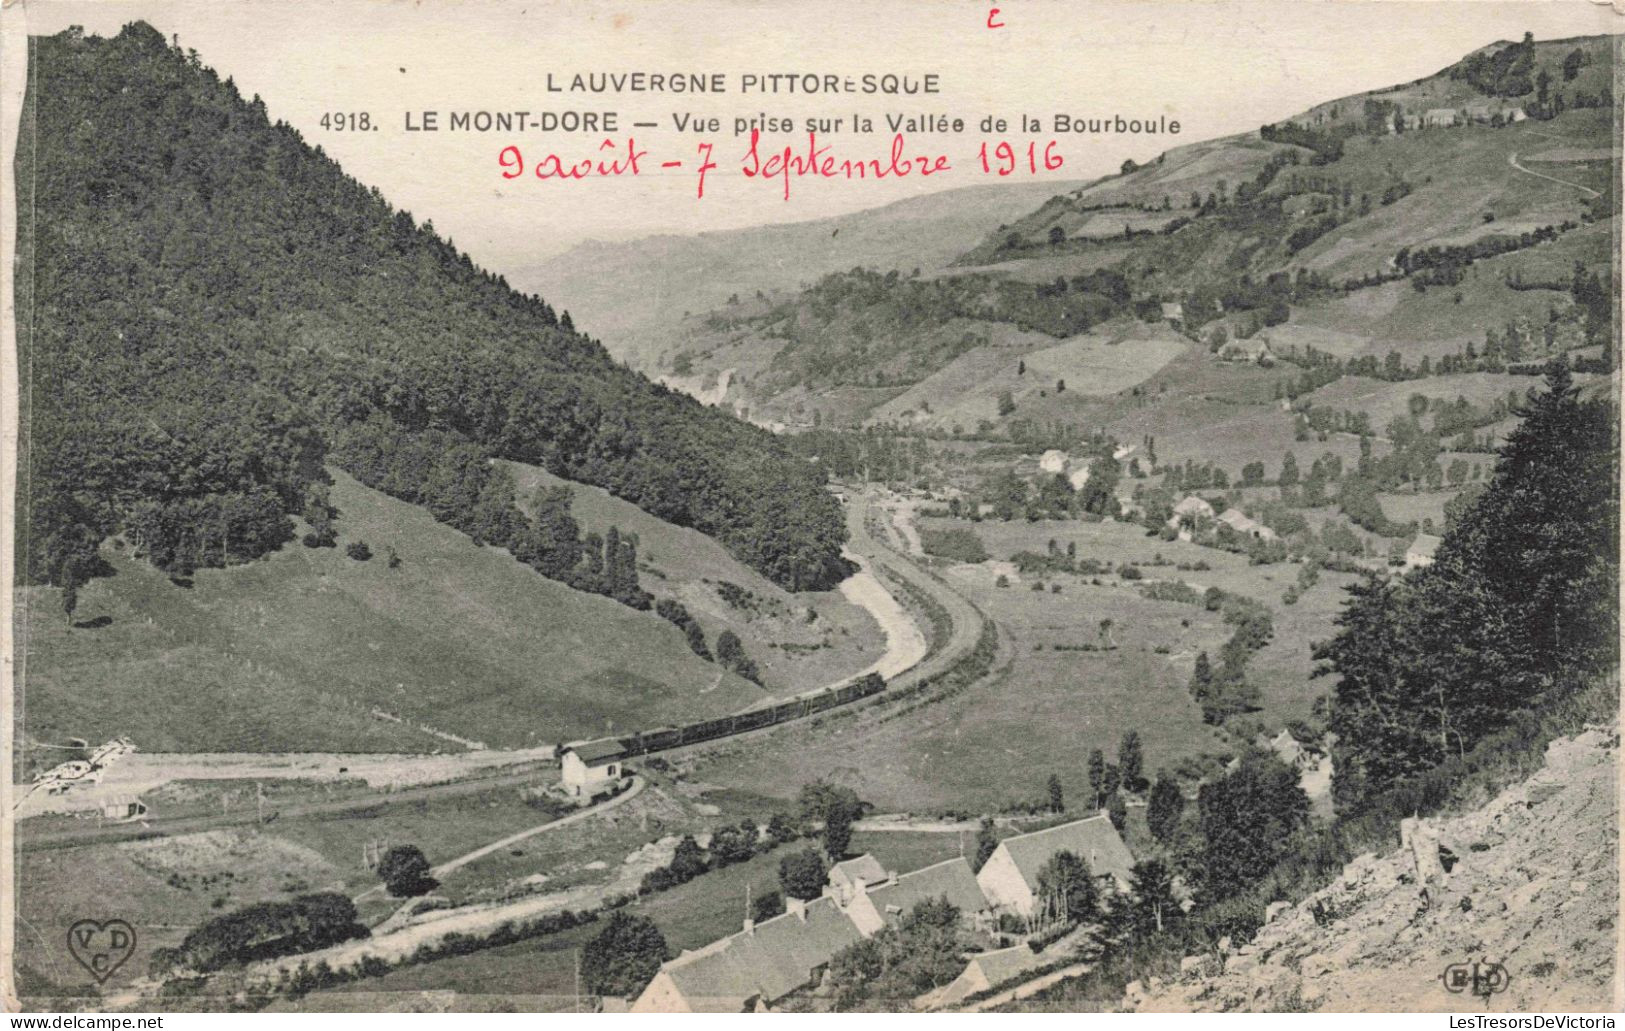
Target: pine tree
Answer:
pixel 1248 818
pixel 1289 471
pixel 987 842
pixel 1165 808
pixel 1202 678
pixel 1155 907
pixel 1097 776
pixel 1117 811
pixel 1131 760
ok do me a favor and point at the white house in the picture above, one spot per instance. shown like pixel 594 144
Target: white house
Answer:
pixel 1009 879
pixel 1288 749
pixel 1188 514
pixel 1053 461
pixel 592 766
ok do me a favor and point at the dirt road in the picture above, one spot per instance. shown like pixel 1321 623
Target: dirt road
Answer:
pixel 965 621
pixel 87 831
pixel 1512 159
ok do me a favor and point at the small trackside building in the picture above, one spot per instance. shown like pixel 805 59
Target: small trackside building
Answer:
pixel 1009 878
pixel 591 766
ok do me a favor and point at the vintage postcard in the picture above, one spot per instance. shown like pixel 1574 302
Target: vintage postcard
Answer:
pixel 894 506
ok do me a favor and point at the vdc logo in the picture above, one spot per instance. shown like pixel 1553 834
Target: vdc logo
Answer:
pixel 1478 978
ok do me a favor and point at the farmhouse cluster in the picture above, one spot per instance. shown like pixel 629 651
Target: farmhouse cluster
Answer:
pixel 756 968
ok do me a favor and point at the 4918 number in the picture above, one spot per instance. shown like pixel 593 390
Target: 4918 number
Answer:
pixel 347 121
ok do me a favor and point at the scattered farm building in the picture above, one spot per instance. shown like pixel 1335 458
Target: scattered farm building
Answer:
pixel 751 970
pixel 756 968
pixel 1483 114
pixel 1009 879
pixel 1245 526
pixel 1254 349
pixel 591 766
pixel 983 971
pixel 1055 462
pixel 848 877
pixel 1188 514
pixel 885 903
pixel 1288 749
pixel 1420 552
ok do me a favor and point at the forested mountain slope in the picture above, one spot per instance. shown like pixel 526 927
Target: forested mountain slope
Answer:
pixel 213 309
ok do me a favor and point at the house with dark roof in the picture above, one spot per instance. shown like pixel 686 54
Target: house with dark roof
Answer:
pixel 1246 526
pixel 1009 878
pixel 851 876
pixel 982 971
pixel 755 968
pixel 874 907
pixel 589 767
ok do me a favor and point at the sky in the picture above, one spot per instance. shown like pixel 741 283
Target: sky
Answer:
pixel 1218 67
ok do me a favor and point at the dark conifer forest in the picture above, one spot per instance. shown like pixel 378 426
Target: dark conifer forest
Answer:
pixel 1518 611
pixel 211 310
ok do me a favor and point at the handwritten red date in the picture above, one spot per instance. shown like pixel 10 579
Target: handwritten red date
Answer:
pixel 551 166
pixel 783 165
pixel 1006 159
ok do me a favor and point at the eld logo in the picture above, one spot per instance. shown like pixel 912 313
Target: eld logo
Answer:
pixel 101 948
pixel 1479 978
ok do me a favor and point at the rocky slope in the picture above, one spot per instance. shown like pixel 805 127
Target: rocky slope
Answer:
pixel 1532 885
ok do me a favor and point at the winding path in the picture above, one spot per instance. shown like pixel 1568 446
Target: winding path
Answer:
pixel 1512 159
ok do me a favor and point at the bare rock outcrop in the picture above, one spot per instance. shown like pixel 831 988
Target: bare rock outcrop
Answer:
pixel 1526 885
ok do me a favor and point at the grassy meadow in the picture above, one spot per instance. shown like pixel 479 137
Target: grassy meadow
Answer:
pixel 291 652
pixel 1049 701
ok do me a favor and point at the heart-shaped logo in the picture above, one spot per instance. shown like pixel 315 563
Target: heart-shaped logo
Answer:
pixel 101 948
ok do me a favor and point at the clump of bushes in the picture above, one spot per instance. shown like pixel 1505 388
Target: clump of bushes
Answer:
pixel 958 544
pixel 265 930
